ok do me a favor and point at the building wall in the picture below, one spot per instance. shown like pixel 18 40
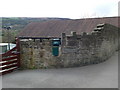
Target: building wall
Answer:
pixel 75 50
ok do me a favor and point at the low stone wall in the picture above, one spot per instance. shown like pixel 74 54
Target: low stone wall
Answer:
pixel 75 50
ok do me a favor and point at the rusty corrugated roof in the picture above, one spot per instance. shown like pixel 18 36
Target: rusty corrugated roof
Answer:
pixel 54 28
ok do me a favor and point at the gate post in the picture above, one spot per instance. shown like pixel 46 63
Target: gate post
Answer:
pixel 18 51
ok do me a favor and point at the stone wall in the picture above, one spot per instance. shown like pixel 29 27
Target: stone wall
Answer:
pixel 90 48
pixel 75 50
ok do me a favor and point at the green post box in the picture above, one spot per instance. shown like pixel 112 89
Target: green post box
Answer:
pixel 55 50
pixel 55 47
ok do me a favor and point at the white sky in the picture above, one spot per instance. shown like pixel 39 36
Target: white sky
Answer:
pixel 73 9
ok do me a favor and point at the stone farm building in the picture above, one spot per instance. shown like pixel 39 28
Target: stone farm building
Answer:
pixel 68 43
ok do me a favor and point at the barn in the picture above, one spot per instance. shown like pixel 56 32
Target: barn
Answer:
pixel 68 43
pixel 54 28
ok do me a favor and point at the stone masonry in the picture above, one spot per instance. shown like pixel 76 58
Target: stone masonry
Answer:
pixel 75 50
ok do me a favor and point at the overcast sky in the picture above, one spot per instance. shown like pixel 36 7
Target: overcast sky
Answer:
pixel 73 9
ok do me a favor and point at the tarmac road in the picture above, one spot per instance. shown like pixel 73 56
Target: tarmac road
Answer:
pixel 103 75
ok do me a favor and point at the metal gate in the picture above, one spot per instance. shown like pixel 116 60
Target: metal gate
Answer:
pixel 10 60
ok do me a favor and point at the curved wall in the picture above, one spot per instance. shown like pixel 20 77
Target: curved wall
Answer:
pixel 75 50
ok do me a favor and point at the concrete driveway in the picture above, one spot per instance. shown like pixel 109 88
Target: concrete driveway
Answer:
pixel 103 75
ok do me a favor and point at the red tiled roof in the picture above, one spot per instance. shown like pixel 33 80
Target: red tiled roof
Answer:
pixel 56 27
